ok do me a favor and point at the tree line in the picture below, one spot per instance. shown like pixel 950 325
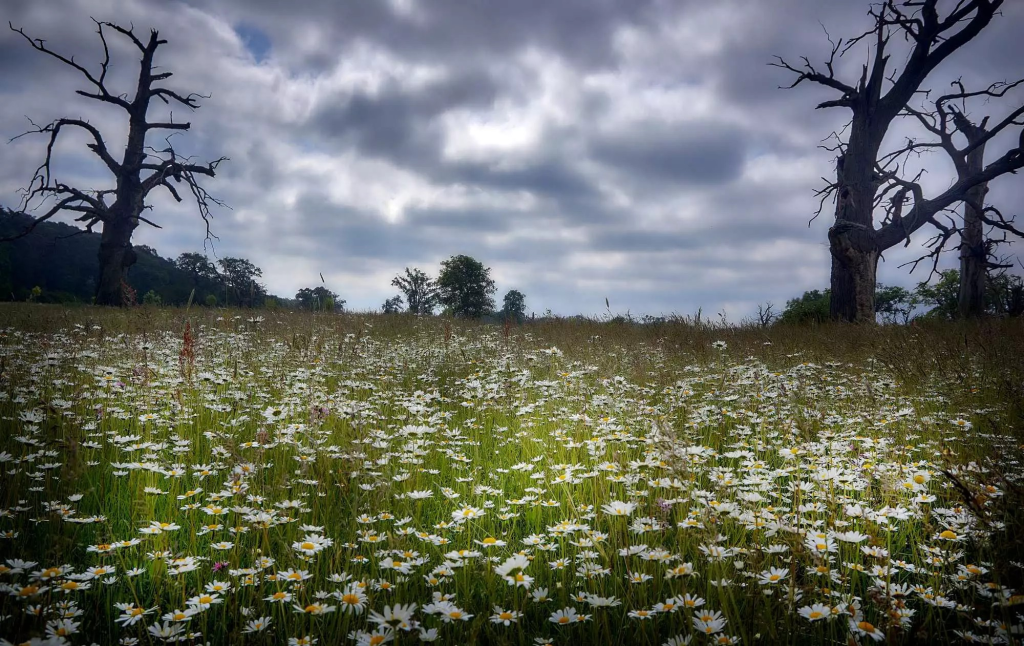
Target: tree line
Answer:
pixel 940 299
pixel 463 288
pixel 56 263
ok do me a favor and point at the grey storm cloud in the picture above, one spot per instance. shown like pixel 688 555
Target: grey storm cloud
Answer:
pixel 702 154
pixel 396 123
pixel 640 151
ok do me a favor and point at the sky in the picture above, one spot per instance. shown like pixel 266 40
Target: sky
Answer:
pixel 637 151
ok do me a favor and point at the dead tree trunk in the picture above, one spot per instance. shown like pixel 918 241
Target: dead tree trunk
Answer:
pixel 116 256
pixel 973 251
pixel 119 219
pixel 852 238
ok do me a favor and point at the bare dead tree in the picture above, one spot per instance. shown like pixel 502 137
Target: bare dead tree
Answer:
pixel 977 251
pixel 766 314
pixel 867 179
pixel 141 170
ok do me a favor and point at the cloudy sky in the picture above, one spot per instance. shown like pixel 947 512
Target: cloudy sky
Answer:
pixel 635 150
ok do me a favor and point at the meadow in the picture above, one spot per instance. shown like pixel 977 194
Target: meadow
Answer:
pixel 241 477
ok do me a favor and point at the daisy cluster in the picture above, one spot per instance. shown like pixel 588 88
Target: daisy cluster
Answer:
pixel 297 486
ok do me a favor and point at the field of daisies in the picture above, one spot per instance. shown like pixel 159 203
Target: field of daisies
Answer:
pixel 225 478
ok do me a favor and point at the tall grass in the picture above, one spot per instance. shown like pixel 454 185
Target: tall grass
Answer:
pixel 671 482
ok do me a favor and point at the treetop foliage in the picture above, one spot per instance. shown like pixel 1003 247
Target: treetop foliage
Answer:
pixel 465 287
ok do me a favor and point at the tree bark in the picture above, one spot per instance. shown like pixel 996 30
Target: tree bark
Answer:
pixel 854 267
pixel 973 255
pixel 852 240
pixel 116 256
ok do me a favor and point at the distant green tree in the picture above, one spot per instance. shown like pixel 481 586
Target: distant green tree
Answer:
pixel 811 307
pixel 465 287
pixel 894 303
pixel 393 305
pixel 318 299
pixel 241 282
pixel 1004 295
pixel 152 298
pixel 210 300
pixel 942 296
pixel 514 306
pixel 199 269
pixel 420 291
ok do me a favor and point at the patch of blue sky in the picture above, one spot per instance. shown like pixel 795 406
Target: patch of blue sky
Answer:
pixel 255 39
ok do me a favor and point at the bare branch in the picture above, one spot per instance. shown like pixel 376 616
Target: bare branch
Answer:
pixel 924 210
pixel 923 59
pixel 130 33
pixel 54 210
pixel 998 221
pixel 936 244
pixel 164 94
pixel 812 75
pixel 169 126
pixel 102 94
pixel 98 146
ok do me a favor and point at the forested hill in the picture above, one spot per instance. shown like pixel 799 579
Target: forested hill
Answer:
pixel 61 260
